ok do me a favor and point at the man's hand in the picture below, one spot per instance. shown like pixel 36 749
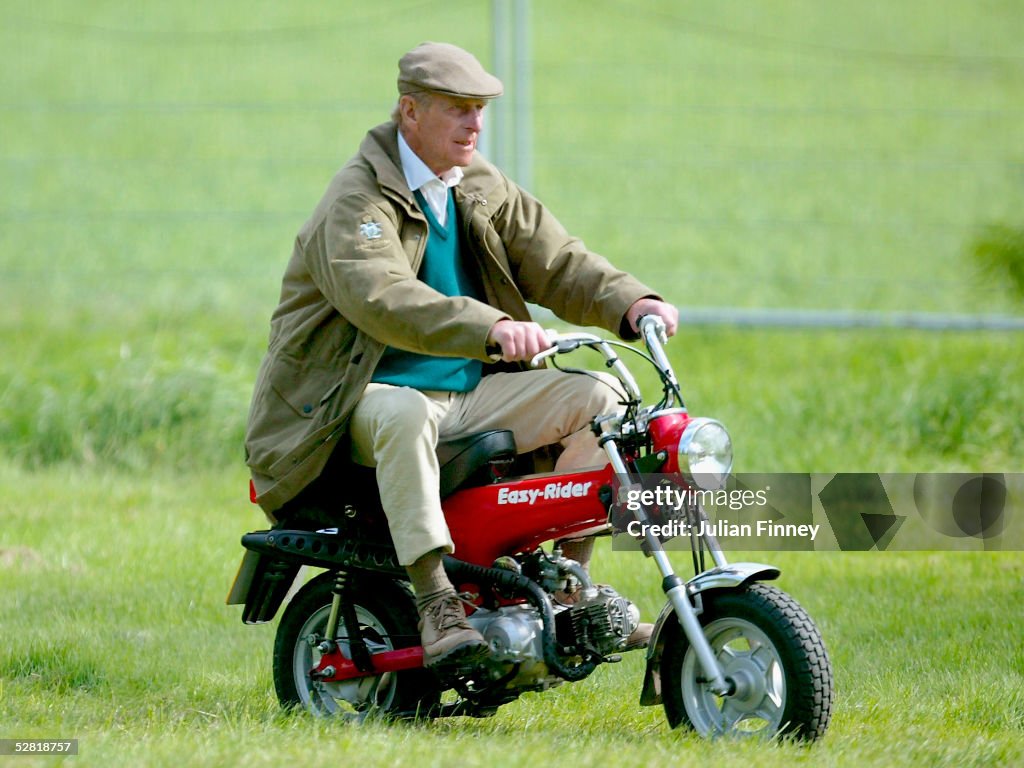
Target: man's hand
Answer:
pixel 667 312
pixel 518 340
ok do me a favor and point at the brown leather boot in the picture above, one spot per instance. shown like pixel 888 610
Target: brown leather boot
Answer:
pixel 447 637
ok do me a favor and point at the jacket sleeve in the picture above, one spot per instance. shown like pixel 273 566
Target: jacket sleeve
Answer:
pixel 360 263
pixel 557 271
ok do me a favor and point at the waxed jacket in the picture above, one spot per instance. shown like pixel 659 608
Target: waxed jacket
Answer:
pixel 351 288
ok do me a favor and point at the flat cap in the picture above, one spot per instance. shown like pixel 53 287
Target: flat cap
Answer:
pixel 446 68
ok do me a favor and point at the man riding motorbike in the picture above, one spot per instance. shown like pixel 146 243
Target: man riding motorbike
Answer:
pixel 403 318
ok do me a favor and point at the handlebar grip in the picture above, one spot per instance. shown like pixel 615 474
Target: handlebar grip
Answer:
pixel 493 349
pixel 655 323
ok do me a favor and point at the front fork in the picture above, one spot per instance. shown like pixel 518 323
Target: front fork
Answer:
pixel 675 588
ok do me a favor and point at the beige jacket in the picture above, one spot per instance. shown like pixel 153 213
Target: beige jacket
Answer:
pixel 351 288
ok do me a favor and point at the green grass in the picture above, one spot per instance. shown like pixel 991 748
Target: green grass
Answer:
pixel 113 635
pixel 866 401
pixel 157 160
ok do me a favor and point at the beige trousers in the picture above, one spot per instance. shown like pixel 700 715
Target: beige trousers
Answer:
pixel 396 430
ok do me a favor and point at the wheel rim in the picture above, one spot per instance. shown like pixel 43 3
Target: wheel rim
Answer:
pixel 752 662
pixel 349 697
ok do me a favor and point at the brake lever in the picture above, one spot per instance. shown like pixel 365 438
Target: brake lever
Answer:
pixel 558 346
pixel 540 357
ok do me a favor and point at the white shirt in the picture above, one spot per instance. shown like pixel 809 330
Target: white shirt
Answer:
pixel 419 177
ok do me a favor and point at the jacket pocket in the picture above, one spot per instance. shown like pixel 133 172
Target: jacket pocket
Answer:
pixel 304 387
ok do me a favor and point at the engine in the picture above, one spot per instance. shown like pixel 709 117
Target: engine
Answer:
pixel 599 622
pixel 515 636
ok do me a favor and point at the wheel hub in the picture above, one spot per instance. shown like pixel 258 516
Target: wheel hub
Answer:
pixel 750 663
pixel 329 697
pixel 748 682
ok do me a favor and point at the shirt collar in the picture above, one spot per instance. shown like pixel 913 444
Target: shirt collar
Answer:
pixel 417 174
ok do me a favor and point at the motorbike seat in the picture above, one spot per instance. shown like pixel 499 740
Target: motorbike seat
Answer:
pixel 475 458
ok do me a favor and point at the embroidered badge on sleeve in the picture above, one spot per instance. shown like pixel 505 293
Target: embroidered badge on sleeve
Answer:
pixel 370 234
pixel 371 230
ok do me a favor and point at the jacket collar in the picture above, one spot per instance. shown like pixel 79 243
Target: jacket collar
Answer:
pixel 380 148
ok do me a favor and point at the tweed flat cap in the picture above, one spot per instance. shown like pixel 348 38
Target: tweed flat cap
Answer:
pixel 446 68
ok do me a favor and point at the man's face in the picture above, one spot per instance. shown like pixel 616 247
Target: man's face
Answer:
pixel 442 130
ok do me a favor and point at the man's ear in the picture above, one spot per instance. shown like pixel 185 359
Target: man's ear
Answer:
pixel 408 108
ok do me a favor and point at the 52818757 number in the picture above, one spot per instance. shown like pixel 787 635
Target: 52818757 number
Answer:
pixel 38 746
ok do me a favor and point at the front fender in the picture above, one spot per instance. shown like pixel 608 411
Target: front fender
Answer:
pixel 732 576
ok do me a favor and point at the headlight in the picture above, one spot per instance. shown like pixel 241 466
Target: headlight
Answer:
pixel 705 453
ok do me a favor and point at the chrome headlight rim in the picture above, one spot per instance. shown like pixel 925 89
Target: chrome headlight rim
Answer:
pixel 707 470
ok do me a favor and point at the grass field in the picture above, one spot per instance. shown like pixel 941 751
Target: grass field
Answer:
pixel 115 633
pixel 157 160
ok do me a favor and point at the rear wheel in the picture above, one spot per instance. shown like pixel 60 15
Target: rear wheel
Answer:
pixel 770 649
pixel 387 618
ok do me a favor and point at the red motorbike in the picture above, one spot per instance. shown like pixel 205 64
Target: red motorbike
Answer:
pixel 729 654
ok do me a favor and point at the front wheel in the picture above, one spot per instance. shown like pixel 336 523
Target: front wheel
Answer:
pixel 387 618
pixel 771 651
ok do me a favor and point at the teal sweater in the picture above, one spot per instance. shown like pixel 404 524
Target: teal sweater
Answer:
pixel 442 270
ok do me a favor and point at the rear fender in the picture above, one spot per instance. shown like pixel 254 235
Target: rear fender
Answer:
pixel 261 584
pixel 733 576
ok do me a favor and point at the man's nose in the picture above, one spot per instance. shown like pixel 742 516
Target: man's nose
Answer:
pixel 475 119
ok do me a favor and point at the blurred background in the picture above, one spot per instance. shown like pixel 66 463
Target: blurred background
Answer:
pixel 158 159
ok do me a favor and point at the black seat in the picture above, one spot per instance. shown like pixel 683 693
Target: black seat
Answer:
pixel 474 459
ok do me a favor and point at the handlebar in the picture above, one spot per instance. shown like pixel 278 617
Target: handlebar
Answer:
pixel 564 343
pixel 655 335
pixel 653 324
